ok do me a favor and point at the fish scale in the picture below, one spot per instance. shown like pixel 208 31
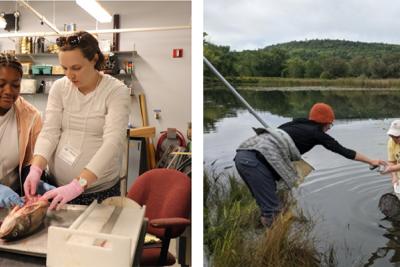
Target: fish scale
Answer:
pixel 21 222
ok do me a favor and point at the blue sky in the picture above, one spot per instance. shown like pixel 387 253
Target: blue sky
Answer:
pixel 255 24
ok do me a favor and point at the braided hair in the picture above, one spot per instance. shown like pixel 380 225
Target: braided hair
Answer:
pixel 9 60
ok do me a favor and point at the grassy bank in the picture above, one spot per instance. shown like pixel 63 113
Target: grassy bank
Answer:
pixel 233 236
pixel 291 82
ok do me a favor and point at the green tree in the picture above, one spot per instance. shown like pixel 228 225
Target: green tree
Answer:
pixel 295 68
pixel 378 69
pixel 312 69
pixel 246 63
pixel 335 67
pixel 309 59
pixel 358 66
pixel 326 75
pixel 222 59
pixel 392 62
pixel 271 63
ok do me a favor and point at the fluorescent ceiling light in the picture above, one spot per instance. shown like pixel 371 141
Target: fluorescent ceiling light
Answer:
pixel 95 10
pixel 3 22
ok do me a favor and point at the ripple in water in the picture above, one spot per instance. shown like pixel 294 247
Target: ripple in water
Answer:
pixel 345 202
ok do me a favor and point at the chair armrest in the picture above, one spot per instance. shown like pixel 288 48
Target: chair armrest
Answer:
pixel 169 222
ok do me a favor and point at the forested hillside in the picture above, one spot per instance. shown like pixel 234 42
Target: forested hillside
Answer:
pixel 326 59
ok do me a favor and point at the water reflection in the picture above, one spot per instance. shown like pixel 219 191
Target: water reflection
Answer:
pixel 344 194
pixel 392 248
pixel 348 104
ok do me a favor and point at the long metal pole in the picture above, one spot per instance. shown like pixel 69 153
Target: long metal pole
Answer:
pixel 270 129
pixel 233 90
pixel 32 34
pixel 40 16
pixel 304 167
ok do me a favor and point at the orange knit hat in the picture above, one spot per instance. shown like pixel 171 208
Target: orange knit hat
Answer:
pixel 321 113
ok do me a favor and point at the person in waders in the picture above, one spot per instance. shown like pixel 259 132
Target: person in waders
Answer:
pixel 262 160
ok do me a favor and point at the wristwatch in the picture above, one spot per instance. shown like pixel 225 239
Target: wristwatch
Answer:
pixel 82 182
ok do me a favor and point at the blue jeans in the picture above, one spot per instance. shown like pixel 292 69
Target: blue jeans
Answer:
pixel 260 178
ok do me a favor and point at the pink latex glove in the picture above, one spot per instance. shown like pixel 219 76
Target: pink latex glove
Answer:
pixel 63 194
pixel 32 181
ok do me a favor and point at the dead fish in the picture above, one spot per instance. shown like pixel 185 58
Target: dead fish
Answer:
pixel 22 221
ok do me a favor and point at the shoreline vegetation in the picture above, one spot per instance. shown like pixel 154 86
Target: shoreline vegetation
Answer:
pixel 234 237
pixel 325 59
pixel 268 83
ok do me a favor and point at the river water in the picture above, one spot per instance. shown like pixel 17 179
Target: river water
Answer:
pixel 341 195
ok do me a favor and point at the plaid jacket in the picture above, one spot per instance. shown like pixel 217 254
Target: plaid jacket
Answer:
pixel 279 152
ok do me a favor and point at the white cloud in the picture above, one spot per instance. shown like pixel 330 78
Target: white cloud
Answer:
pixel 255 24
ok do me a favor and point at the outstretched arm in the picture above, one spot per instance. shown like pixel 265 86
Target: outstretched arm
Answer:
pixel 374 162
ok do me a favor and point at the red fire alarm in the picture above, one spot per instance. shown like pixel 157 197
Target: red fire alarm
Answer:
pixel 177 52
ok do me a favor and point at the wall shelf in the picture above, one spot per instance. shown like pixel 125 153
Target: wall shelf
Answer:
pixel 32 76
pixel 123 53
pixel 52 59
pixel 31 57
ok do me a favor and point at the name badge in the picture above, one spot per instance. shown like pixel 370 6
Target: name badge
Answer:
pixel 68 154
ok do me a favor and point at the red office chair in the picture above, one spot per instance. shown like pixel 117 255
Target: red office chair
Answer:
pixel 166 194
